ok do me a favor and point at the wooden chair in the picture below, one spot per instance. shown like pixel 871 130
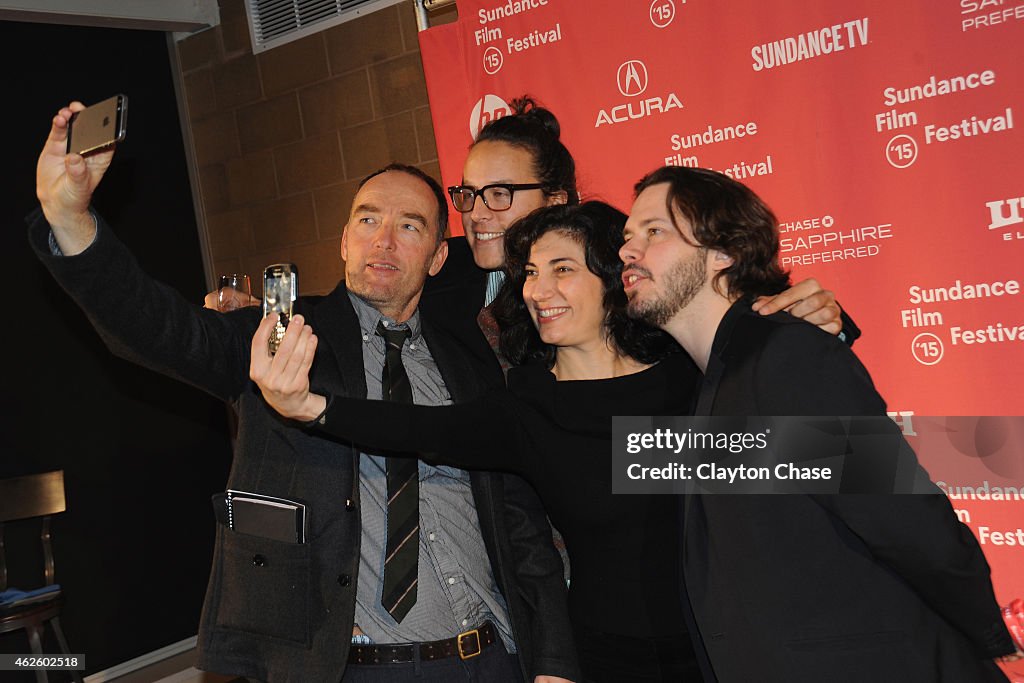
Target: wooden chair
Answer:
pixel 37 495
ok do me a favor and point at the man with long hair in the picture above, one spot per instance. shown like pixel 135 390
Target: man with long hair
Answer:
pixel 807 587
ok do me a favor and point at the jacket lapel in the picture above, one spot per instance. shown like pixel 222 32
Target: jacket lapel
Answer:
pixel 459 376
pixel 692 504
pixel 337 325
pixel 721 349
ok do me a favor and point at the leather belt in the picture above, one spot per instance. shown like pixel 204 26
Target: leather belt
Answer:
pixel 466 645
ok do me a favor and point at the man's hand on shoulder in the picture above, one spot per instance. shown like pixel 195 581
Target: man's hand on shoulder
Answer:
pixel 808 301
pixel 65 183
pixel 551 679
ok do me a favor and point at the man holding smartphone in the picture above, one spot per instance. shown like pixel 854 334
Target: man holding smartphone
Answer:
pixel 484 581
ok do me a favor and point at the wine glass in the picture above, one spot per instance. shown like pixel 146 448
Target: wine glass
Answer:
pixel 233 291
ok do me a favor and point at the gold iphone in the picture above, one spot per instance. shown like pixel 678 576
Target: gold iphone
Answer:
pixel 97 127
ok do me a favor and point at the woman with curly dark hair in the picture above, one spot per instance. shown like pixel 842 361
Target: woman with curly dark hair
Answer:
pixel 581 360
pixel 593 226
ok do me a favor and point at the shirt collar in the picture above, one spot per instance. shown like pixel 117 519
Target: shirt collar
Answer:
pixel 369 316
pixel 495 279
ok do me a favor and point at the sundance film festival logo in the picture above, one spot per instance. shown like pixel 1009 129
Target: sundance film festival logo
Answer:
pixel 488 108
pixel 632 80
pixel 1005 213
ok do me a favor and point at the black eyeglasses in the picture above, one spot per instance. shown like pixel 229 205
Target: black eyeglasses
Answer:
pixel 497 197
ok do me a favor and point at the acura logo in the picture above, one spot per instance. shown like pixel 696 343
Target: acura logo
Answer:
pixel 632 78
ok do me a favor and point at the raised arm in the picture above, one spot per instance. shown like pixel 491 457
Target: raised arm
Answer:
pixel 65 183
pixel 139 319
pixel 484 434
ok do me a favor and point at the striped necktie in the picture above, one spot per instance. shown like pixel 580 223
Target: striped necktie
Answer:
pixel 403 545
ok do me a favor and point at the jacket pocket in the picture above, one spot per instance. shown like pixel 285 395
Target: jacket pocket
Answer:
pixel 264 586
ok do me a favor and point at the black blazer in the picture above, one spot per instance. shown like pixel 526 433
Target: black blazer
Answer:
pixel 453 298
pixel 461 284
pixel 857 588
pixel 287 617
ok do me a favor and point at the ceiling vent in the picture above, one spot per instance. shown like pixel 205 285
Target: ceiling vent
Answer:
pixel 276 22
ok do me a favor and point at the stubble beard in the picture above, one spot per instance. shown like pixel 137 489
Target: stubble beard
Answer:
pixel 388 299
pixel 682 283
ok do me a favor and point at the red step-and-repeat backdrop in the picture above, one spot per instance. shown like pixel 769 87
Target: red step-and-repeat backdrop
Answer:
pixel 887 136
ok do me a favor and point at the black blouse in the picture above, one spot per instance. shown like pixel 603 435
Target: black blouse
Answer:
pixel 623 549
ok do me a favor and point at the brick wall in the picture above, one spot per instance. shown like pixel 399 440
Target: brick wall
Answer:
pixel 282 138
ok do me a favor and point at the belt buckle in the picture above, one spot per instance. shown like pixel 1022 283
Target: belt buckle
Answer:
pixel 465 634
